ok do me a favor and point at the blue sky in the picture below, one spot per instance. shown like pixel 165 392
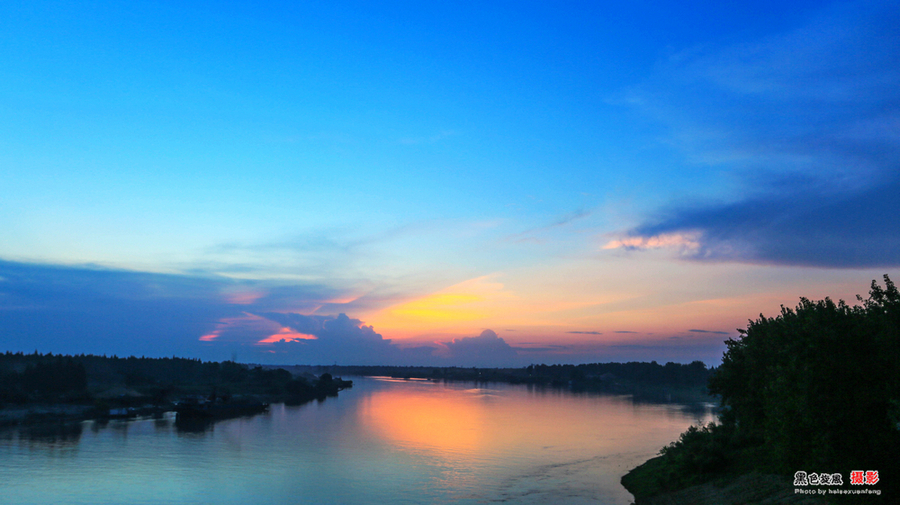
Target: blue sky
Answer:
pixel 575 182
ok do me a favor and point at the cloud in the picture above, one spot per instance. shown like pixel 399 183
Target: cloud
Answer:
pixel 336 339
pixel 486 349
pixel 332 256
pixel 90 309
pixel 713 332
pixel 586 332
pixel 244 329
pixel 846 230
pixel 624 331
pixel 808 125
pixel 86 309
pixel 559 222
pixel 678 240
pixel 547 350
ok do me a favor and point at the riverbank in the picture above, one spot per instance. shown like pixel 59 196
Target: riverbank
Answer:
pixel 11 416
pixel 728 490
pixel 41 389
pixel 48 414
pixel 686 474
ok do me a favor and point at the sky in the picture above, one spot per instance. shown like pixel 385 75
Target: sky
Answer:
pixel 439 183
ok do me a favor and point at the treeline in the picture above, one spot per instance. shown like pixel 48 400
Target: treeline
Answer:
pixel 600 376
pixel 26 378
pixel 40 377
pixel 695 373
pixel 815 389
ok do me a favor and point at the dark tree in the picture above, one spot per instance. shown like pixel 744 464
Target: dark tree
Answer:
pixel 819 385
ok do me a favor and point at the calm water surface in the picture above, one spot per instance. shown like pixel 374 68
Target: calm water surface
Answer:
pixel 384 441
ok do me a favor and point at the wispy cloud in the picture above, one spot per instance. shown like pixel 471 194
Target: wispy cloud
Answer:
pixel 709 331
pixel 559 222
pixel 682 241
pixel 807 122
pixel 554 349
pixel 326 253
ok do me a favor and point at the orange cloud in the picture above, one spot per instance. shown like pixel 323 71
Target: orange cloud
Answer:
pixel 227 323
pixel 240 328
pixel 244 298
pixel 668 240
pixel 287 335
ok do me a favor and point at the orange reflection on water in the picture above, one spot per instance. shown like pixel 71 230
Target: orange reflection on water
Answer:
pixel 446 423
pixel 455 422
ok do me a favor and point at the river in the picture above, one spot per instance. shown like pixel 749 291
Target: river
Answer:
pixel 383 441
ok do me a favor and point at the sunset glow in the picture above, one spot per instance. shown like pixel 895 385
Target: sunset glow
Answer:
pixel 448 252
pixel 458 307
pixel 383 182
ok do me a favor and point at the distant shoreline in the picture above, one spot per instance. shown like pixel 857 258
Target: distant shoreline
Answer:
pixel 43 389
pixel 652 382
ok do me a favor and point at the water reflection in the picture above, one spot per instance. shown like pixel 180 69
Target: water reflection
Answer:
pixel 426 422
pixel 200 425
pixel 562 445
pixel 193 426
pixel 55 435
pixel 382 441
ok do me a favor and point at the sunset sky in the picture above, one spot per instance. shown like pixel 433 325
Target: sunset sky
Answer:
pixel 456 183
